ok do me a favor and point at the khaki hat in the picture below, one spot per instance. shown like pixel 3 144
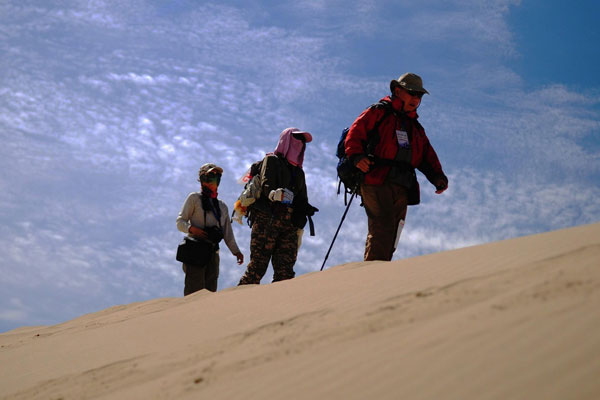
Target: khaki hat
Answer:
pixel 208 168
pixel 409 81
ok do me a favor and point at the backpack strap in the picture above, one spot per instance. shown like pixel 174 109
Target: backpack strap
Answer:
pixel 371 143
pixel 311 225
pixel 373 134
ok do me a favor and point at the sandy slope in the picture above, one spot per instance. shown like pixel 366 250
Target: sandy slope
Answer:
pixel 517 319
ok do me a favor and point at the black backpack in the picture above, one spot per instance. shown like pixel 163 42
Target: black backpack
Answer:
pixel 302 213
pixel 347 173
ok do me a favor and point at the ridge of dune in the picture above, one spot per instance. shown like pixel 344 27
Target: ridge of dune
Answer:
pixel 511 319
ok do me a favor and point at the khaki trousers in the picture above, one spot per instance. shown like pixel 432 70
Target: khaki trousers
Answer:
pixel 201 277
pixel 385 206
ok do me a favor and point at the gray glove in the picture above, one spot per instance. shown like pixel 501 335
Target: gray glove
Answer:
pixel 285 196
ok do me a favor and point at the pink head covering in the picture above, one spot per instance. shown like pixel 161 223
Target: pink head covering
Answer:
pixel 290 147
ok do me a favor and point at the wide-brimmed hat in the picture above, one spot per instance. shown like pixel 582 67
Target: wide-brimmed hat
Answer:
pixel 409 81
pixel 208 168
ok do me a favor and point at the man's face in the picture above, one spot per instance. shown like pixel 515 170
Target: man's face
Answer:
pixel 213 178
pixel 410 99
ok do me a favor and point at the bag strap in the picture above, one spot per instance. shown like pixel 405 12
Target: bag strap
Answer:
pixel 311 225
pixel 215 213
pixel 212 208
pixel 372 140
pixel 373 134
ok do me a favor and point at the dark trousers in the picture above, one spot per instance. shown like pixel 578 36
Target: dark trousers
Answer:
pixel 274 239
pixel 199 277
pixel 385 206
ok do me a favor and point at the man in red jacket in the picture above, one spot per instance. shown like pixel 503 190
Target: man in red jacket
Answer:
pixel 394 150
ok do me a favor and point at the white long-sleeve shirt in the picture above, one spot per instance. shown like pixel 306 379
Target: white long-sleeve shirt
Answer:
pixel 192 213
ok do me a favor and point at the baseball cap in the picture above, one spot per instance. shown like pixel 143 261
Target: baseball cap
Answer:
pixel 307 135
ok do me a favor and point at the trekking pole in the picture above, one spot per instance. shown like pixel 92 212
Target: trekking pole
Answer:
pixel 338 229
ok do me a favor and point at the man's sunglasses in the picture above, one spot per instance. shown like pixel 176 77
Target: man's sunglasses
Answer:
pixel 212 175
pixel 414 93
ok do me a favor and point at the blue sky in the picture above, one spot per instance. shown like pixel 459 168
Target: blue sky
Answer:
pixel 108 109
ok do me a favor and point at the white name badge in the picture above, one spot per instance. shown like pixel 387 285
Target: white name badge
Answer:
pixel 402 137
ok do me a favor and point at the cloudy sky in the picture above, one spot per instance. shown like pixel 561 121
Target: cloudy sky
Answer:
pixel 108 108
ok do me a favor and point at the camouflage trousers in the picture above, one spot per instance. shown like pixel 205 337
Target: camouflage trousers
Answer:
pixel 274 239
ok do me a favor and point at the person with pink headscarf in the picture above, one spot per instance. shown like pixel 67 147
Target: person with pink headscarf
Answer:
pixel 280 210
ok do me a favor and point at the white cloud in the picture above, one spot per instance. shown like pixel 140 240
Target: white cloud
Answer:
pixel 472 27
pixel 144 79
pixel 100 151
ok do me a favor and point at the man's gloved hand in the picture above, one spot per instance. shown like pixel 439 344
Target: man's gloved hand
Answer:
pixel 311 210
pixel 364 164
pixel 285 196
pixel 441 185
pixel 198 232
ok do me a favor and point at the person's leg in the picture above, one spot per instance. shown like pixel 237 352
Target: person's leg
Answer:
pixel 285 252
pixel 383 207
pixel 400 198
pixel 262 243
pixel 194 278
pixel 211 274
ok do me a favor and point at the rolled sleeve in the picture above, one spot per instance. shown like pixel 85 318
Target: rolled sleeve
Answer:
pixel 183 220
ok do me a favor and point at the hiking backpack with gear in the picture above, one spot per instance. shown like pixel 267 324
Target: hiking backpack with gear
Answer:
pixel 251 193
pixel 347 173
pixel 252 180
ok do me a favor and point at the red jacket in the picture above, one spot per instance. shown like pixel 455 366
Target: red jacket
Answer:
pixel 424 157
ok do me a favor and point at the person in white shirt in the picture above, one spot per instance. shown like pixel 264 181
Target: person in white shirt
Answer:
pixel 205 217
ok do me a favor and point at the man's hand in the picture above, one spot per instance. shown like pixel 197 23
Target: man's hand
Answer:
pixel 364 164
pixel 198 232
pixel 240 258
pixel 441 185
pixel 285 196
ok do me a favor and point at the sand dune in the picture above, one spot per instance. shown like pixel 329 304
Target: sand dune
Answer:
pixel 516 319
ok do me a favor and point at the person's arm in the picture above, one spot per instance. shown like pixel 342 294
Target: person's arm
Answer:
pixel 183 220
pixel 357 137
pixel 302 191
pixel 268 175
pixel 228 235
pixel 185 216
pixel 272 186
pixel 301 199
pixel 432 168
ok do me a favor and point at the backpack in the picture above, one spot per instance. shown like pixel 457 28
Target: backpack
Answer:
pixel 347 173
pixel 252 189
pixel 250 194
